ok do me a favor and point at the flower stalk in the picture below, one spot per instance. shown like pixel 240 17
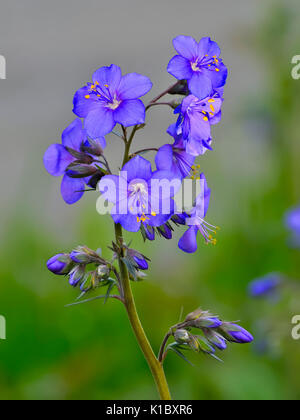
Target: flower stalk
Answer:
pixel 154 364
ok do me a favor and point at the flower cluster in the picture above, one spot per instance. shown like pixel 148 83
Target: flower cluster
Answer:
pixel 212 334
pixel 112 98
pixel 84 267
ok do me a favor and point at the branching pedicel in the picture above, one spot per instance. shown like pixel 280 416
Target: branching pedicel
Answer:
pixel 143 199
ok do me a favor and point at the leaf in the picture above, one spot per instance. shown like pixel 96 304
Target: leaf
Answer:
pixel 175 348
pixel 131 268
pixel 109 289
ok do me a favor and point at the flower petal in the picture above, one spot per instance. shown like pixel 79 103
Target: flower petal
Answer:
pixel 195 147
pixel 138 168
pixel 128 221
pixel 203 199
pixel 164 157
pixel 200 127
pixel 99 122
pixel 200 85
pixel 56 159
pixel 188 241
pixel 133 86
pixel 72 189
pixel 81 105
pixel 74 135
pixel 186 46
pixel 209 47
pixel 114 188
pixel 108 77
pixel 130 112
pixel 180 68
pixel 218 78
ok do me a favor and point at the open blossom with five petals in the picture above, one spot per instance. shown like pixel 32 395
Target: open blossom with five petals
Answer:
pixel 137 195
pixel 195 221
pixel 198 63
pixel 193 126
pixel 58 160
pixel 110 99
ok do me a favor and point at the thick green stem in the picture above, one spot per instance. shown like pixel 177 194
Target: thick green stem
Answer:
pixel 155 366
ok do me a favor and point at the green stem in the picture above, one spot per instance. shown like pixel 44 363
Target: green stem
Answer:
pixel 155 366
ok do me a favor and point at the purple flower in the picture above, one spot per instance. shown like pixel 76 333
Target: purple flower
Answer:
pixel 59 157
pixel 139 195
pixel 236 334
pixel 198 63
pixel 110 99
pixel 174 158
pixel 265 286
pixel 59 264
pixel 193 127
pixel 196 222
pixel 292 221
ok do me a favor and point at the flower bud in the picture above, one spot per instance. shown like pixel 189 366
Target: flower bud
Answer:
pixel 94 179
pixel 165 231
pixel 181 88
pixel 76 275
pixel 194 315
pixel 182 336
pixel 60 264
pixel 206 322
pixel 215 339
pixel 141 263
pixel 178 219
pixel 84 255
pixel 103 271
pixel 93 147
pixel 80 170
pixel 235 334
pixel 139 260
pixel 80 156
pixel 149 232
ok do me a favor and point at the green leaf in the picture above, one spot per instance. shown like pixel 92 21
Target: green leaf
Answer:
pixel 175 348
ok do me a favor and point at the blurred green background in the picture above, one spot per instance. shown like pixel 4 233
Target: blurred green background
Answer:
pixel 89 351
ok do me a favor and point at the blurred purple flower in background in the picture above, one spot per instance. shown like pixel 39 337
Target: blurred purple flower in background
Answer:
pixel 292 221
pixel 266 286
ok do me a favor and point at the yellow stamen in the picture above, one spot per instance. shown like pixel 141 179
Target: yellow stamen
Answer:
pixel 87 96
pixel 205 119
pixel 153 213
pixel 212 108
pixel 211 101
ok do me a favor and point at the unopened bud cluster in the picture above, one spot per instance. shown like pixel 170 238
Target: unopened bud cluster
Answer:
pixel 84 267
pixel 214 333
